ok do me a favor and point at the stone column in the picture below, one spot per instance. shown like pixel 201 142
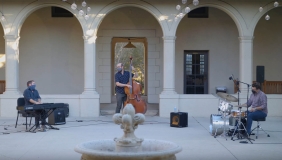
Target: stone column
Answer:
pixel 11 94
pixel 12 64
pixel 89 65
pixel 246 62
pixel 169 65
pixel 168 97
pixel 89 99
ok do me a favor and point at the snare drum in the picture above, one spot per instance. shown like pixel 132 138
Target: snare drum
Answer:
pixel 236 113
pixel 217 124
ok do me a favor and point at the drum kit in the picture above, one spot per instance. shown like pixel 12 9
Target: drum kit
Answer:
pixel 218 122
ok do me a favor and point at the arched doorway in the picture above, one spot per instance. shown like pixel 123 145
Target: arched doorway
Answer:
pixel 51 53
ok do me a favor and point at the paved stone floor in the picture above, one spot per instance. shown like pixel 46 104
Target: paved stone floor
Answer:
pixel 195 140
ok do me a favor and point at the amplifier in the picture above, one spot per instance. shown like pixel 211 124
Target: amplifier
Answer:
pixel 179 119
pixel 57 117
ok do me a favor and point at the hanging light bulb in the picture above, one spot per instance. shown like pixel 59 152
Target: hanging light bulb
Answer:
pixel 184 1
pixel 181 15
pixel 178 7
pixel 276 4
pixel 3 18
pixel 260 9
pixel 195 2
pixel 267 17
pixel 175 18
pixel 187 9
pixel 81 12
pixel 88 9
pixel 73 6
pixel 83 4
pixel 86 17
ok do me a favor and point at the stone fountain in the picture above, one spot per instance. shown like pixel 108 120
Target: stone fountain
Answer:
pixel 128 147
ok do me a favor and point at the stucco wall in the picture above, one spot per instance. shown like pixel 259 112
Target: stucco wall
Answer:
pixel 267 46
pixel 219 35
pixel 129 22
pixel 51 53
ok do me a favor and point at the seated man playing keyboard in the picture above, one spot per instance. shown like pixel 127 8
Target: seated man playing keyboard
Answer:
pixel 31 96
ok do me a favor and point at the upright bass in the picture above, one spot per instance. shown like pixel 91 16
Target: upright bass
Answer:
pixel 134 94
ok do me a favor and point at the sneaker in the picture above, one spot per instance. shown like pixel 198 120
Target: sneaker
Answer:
pixel 43 128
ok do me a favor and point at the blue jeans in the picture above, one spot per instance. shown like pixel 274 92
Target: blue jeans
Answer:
pixel 251 116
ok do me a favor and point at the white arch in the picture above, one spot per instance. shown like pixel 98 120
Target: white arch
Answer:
pixel 258 15
pixel 228 9
pixel 120 4
pixel 30 8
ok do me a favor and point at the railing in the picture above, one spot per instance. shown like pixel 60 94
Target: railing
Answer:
pixel 269 87
pixel 2 86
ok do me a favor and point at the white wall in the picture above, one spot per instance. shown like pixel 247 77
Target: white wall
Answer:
pixel 51 53
pixel 129 22
pixel 267 46
pixel 219 35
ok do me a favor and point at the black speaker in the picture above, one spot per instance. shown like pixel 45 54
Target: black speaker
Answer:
pixel 179 119
pixel 260 74
pixel 57 117
pixel 66 109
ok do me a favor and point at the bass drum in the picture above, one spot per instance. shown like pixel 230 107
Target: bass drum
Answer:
pixel 217 124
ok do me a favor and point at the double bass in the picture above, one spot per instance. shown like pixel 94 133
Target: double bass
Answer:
pixel 134 94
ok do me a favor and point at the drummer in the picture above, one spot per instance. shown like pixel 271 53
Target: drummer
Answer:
pixel 257 106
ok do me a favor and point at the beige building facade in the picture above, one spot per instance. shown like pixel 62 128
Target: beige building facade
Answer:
pixel 70 58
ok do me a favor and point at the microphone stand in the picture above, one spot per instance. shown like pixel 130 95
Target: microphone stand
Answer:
pixel 248 85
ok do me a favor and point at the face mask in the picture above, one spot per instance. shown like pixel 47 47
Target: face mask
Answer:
pixel 32 87
pixel 119 69
pixel 254 91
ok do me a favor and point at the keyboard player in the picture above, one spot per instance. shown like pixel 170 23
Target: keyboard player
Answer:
pixel 31 96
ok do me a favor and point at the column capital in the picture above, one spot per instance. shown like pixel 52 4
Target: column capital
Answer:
pixel 169 37
pixel 11 37
pixel 246 38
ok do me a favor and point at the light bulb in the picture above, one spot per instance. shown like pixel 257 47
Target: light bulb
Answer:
pixel 184 1
pixel 86 17
pixel 83 4
pixel 178 7
pixel 267 17
pixel 276 4
pixel 260 9
pixel 3 18
pixel 88 9
pixel 73 6
pixel 195 2
pixel 175 18
pixel 181 15
pixel 187 9
pixel 81 12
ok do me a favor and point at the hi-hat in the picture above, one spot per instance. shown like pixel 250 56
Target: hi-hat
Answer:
pixel 227 97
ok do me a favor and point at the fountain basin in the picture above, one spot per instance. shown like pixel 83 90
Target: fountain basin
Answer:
pixel 107 150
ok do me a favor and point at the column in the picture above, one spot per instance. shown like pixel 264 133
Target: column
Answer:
pixel 169 65
pixel 12 64
pixel 246 61
pixel 89 65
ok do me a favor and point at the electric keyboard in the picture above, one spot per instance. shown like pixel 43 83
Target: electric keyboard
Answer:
pixel 43 106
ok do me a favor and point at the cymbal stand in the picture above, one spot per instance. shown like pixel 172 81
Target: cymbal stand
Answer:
pixel 239 130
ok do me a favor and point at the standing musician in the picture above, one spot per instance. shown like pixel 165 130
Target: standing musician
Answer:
pixel 257 106
pixel 121 79
pixel 31 96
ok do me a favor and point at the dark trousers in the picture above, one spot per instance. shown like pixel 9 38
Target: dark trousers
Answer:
pixel 254 115
pixel 120 99
pixel 40 115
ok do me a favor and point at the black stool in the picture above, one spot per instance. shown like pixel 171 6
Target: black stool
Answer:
pixel 258 127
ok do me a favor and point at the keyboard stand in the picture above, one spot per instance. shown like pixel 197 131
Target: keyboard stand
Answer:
pixel 46 115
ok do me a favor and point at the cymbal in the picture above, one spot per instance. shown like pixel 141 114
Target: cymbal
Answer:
pixel 227 97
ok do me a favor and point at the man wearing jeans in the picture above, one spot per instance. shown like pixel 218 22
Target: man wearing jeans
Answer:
pixel 257 106
pixel 121 79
